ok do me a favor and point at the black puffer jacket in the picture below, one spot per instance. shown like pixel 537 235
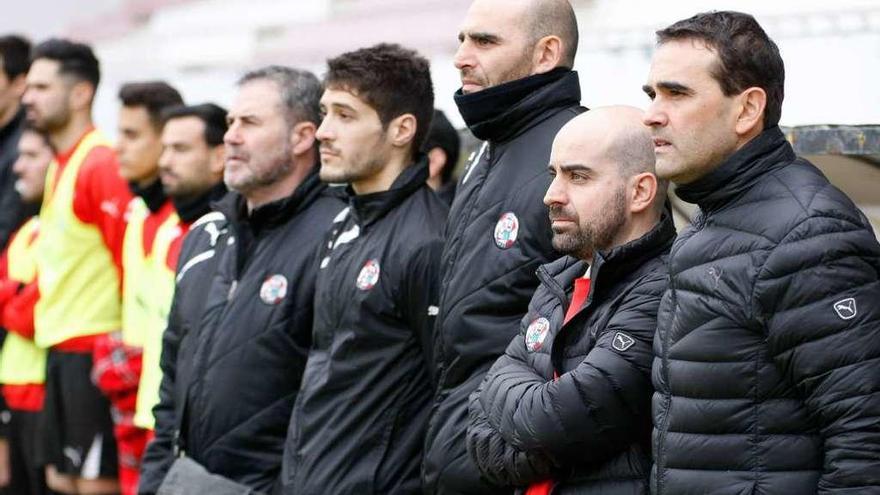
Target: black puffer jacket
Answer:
pixel 497 236
pixel 768 346
pixel 589 430
pixel 359 422
pixel 238 335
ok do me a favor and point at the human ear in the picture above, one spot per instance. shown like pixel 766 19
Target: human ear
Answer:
pixel 547 54
pixel 643 189
pixel 402 129
pixel 302 137
pixel 753 102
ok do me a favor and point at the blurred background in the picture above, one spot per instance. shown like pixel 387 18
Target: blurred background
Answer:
pixel 831 51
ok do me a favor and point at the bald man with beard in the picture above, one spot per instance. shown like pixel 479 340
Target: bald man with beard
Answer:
pixel 567 408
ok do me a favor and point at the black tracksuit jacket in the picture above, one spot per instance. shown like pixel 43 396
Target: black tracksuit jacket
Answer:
pixel 238 335
pixel 359 420
pixel 488 280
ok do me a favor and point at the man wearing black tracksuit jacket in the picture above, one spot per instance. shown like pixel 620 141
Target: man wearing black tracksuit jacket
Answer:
pixel 358 423
pixel 498 231
pixel 767 369
pixel 567 407
pixel 240 324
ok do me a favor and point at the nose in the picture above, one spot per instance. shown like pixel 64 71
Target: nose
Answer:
pixel 463 56
pixel 654 115
pixel 323 133
pixel 555 194
pixel 232 135
pixel 27 97
pixel 165 159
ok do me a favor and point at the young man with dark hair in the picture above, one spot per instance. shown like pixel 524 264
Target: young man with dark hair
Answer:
pixel 22 363
pixel 150 215
pixel 191 171
pixel 768 336
pixel 240 323
pixel 79 266
pixel 15 59
pixel 359 420
pixel 517 90
pixel 567 408
pixel 442 147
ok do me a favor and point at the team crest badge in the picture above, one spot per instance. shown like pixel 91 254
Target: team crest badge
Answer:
pixel 536 333
pixel 506 230
pixel 274 289
pixel 369 275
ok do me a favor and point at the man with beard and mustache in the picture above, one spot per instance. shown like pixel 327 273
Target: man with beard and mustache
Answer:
pixel 567 407
pixel 79 266
pixel 240 324
pixel 518 90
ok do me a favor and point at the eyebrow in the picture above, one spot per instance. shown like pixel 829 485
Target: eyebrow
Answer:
pixel 571 167
pixel 668 86
pixel 479 36
pixel 343 106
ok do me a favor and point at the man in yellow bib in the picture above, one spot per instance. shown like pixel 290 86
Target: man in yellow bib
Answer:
pixel 152 227
pixel 22 363
pixel 79 270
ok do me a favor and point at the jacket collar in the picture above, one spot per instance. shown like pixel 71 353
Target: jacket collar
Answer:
pixel 611 265
pixel 234 206
pixel 191 209
pixel 367 209
pixel 739 172
pixel 500 113
pixel 153 195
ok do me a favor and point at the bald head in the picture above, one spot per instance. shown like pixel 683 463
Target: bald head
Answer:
pixel 554 18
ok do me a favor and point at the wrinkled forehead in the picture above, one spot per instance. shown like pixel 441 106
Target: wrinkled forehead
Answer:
pixel 259 97
pixel 502 18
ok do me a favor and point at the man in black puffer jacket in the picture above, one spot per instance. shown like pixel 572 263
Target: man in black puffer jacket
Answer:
pixel 240 323
pixel 567 408
pixel 767 364
pixel 498 232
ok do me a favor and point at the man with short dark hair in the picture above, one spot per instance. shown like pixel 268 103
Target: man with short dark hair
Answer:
pixel 79 265
pixel 768 336
pixel 518 90
pixel 239 328
pixel 149 215
pixel 359 421
pixel 442 147
pixel 22 363
pixel 15 59
pixel 191 171
pixel 567 408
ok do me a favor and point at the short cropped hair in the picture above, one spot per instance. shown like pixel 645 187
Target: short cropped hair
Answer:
pixel 16 54
pixel 747 56
pixel 442 135
pixel 154 96
pixel 76 59
pixel 390 78
pixel 300 91
pixel 213 116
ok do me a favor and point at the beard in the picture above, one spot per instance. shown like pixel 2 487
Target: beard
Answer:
pixel 280 164
pixel 596 233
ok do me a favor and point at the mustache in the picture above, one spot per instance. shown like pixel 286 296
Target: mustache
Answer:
pixel 557 211
pixel 326 148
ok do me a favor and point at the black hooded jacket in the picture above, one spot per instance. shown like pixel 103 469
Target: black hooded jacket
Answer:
pixel 238 334
pixel 497 235
pixel 13 212
pixel 589 430
pixel 359 421
pixel 767 369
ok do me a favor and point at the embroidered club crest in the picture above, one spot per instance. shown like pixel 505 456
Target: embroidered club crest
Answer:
pixel 622 341
pixel 369 275
pixel 536 333
pixel 506 230
pixel 274 289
